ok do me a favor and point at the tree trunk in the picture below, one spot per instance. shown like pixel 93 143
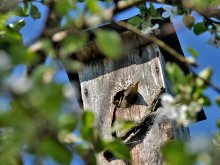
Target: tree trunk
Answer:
pixel 102 80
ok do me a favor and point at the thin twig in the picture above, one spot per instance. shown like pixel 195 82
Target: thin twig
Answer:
pixel 159 42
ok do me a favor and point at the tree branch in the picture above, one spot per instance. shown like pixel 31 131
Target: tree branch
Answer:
pixel 159 42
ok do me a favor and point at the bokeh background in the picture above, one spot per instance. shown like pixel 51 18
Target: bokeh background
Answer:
pixel 208 56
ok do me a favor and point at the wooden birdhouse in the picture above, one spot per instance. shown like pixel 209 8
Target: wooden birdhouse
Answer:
pixel 129 89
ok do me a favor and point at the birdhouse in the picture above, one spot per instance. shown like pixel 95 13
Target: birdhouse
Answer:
pixel 129 89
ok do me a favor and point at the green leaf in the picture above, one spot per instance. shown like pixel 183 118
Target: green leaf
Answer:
pixel 175 153
pixel 135 21
pixel 188 21
pixel 152 10
pixel 56 150
pixel 93 6
pixel 199 28
pixel 218 100
pixel 109 43
pixel 193 52
pixel 142 8
pixel 87 119
pixel 175 75
pixel 71 44
pixel 204 100
pixel 119 149
pixel 17 25
pixel 72 65
pixel 87 130
pixel 34 12
pixel 22 12
pixel 68 122
pixel 200 83
pixel 205 74
pixel 64 6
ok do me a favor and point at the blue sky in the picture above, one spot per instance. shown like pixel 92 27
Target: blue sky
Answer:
pixel 208 57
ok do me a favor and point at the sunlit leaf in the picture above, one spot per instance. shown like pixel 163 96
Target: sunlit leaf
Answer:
pixel 135 21
pixel 87 130
pixel 93 6
pixel 109 42
pixel 68 122
pixel 175 75
pixel 87 118
pixel 193 52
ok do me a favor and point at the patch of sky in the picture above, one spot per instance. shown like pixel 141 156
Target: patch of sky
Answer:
pixel 208 57
pixel 77 160
pixel 4 103
pixel 32 28
pixel 29 159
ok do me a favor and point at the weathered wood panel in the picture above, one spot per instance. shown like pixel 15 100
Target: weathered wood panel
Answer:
pixel 101 80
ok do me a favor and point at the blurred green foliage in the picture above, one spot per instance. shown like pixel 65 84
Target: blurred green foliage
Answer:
pixel 36 121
